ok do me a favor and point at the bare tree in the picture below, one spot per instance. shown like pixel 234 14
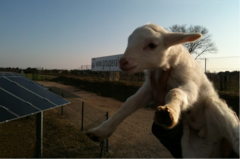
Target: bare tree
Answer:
pixel 201 46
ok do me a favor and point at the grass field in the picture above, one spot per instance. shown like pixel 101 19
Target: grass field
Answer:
pixel 60 139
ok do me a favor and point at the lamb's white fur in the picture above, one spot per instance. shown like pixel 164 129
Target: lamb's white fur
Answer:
pixel 209 119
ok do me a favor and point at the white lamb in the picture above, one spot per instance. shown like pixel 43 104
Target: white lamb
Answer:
pixel 190 94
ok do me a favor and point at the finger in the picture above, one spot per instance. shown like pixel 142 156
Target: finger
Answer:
pixel 226 148
pixel 164 76
pixel 163 80
pixel 236 116
pixel 152 79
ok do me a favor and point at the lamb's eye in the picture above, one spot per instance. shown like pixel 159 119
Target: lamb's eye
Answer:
pixel 152 45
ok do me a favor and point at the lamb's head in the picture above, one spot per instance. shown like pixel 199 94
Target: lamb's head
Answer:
pixel 148 48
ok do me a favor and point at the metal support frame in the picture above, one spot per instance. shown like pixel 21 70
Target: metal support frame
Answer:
pixel 103 142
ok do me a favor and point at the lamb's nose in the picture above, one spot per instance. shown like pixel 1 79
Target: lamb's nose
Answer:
pixel 123 61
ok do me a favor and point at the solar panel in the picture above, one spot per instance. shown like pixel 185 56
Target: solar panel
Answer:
pixel 21 97
pixel 13 74
pixel 7 75
pixel 5 115
pixel 19 75
pixel 20 107
pixel 38 90
pixel 23 78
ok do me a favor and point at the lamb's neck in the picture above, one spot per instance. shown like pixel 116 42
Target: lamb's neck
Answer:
pixel 179 55
pixel 176 55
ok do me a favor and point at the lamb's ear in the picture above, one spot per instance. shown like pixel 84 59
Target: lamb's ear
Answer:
pixel 171 39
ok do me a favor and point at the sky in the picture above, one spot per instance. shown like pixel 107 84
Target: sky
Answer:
pixel 65 34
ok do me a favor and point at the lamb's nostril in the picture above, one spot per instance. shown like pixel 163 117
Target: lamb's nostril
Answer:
pixel 123 61
pixel 126 62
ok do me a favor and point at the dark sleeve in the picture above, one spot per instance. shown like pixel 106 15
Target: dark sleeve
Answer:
pixel 233 155
pixel 170 138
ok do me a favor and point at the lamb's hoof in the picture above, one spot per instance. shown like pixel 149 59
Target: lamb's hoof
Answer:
pixel 164 117
pixel 93 137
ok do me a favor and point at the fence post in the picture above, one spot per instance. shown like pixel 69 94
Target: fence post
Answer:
pixel 82 115
pixel 62 108
pixel 107 138
pixel 101 145
pixel 39 135
pixel 221 82
pixel 225 83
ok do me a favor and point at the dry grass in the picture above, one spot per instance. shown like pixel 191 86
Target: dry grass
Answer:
pixel 17 138
pixel 61 139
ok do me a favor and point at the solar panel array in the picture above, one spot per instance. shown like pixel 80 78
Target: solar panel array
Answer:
pixel 20 96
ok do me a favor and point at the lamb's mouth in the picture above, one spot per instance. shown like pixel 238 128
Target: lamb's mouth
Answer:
pixel 128 69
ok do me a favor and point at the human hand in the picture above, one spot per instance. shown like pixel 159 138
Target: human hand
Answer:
pixel 164 115
pixel 159 86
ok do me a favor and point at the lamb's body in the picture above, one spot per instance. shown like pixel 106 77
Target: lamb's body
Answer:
pixel 187 69
pixel 206 118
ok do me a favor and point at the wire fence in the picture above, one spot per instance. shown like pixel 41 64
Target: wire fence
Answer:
pixel 219 64
pixel 223 72
pixel 121 86
pixel 83 115
pixel 93 117
pixel 117 90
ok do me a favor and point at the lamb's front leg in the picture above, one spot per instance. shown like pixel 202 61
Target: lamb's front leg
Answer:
pixel 133 103
pixel 177 99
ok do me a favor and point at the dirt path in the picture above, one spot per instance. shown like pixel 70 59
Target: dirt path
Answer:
pixel 132 139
